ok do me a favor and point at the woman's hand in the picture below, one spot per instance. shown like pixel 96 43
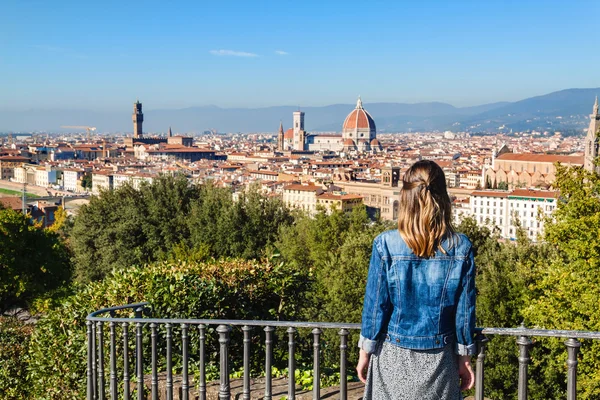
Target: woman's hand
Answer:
pixel 363 365
pixel 467 379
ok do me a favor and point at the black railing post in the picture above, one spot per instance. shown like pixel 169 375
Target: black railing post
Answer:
pixel 154 383
pixel 479 375
pixel 343 359
pixel 202 384
pixel 573 346
pixel 291 363
pixel 185 384
pixel 246 393
pixel 316 364
pixel 113 359
pixel 100 360
pixel 268 361
pixel 524 344
pixel 169 382
pixel 94 363
pixel 224 388
pixel 139 361
pixel 90 350
pixel 126 388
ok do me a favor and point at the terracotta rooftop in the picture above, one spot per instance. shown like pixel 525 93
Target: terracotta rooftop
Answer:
pixel 303 188
pixel 547 158
pixel 549 194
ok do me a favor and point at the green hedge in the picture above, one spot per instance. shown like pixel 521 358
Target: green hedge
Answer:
pixel 229 289
pixel 14 340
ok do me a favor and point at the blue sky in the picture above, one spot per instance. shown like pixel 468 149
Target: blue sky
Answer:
pixel 105 54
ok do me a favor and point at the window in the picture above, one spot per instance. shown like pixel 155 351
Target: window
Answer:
pixel 494 204
pixel 500 220
pixel 488 203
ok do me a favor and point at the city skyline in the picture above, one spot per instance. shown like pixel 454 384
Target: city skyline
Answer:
pixel 248 55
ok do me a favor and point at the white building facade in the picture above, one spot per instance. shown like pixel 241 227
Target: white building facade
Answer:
pixel 509 209
pixel 301 196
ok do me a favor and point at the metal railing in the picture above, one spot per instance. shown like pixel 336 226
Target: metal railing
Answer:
pixel 96 362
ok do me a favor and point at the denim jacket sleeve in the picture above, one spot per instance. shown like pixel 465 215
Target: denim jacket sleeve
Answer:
pixel 465 311
pixel 377 306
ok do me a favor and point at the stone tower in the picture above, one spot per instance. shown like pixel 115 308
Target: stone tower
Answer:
pixel 390 176
pixel 299 130
pixel 170 134
pixel 280 137
pixel 592 141
pixel 138 119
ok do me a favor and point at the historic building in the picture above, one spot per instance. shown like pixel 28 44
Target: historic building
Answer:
pixel 592 141
pixel 138 135
pixel 359 131
pixel 359 134
pixel 510 170
pixel 381 197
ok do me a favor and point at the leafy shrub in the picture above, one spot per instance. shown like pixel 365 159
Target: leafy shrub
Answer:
pixel 230 289
pixel 33 260
pixel 14 339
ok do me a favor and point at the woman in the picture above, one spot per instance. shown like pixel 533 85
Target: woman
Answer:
pixel 418 316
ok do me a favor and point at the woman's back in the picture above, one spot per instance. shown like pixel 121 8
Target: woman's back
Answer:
pixel 421 296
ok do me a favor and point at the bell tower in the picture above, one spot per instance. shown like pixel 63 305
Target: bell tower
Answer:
pixel 138 119
pixel 592 141
pixel 298 130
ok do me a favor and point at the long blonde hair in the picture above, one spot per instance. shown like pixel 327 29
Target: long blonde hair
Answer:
pixel 425 209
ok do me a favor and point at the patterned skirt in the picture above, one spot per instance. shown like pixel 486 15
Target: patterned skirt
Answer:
pixel 403 374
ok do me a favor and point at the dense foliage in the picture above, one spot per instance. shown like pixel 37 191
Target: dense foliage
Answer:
pixel 14 342
pixel 129 227
pixel 566 291
pixel 231 289
pixel 33 260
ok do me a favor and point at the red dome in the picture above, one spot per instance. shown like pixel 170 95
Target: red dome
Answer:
pixel 349 142
pixel 359 118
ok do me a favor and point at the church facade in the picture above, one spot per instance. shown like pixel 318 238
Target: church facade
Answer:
pixel 359 134
pixel 592 141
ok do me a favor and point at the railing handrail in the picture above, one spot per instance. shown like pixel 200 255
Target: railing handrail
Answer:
pixel 96 372
pixel 521 331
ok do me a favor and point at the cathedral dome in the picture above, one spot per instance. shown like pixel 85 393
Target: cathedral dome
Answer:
pixel 359 120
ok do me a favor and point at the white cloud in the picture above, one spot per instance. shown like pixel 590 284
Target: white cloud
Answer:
pixel 281 52
pixel 232 53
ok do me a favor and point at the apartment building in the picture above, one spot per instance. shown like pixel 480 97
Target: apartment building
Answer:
pixel 339 201
pixel 72 179
pixel 302 196
pixel 507 209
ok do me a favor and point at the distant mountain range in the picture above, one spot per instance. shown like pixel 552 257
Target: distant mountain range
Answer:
pixel 557 111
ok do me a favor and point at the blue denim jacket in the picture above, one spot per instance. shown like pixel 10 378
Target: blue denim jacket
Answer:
pixel 419 303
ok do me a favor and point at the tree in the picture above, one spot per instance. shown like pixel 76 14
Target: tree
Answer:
pixel 33 261
pixel 127 227
pixel 566 291
pixel 244 228
pixel 86 181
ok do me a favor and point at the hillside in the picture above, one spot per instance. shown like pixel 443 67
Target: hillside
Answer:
pixel 565 109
